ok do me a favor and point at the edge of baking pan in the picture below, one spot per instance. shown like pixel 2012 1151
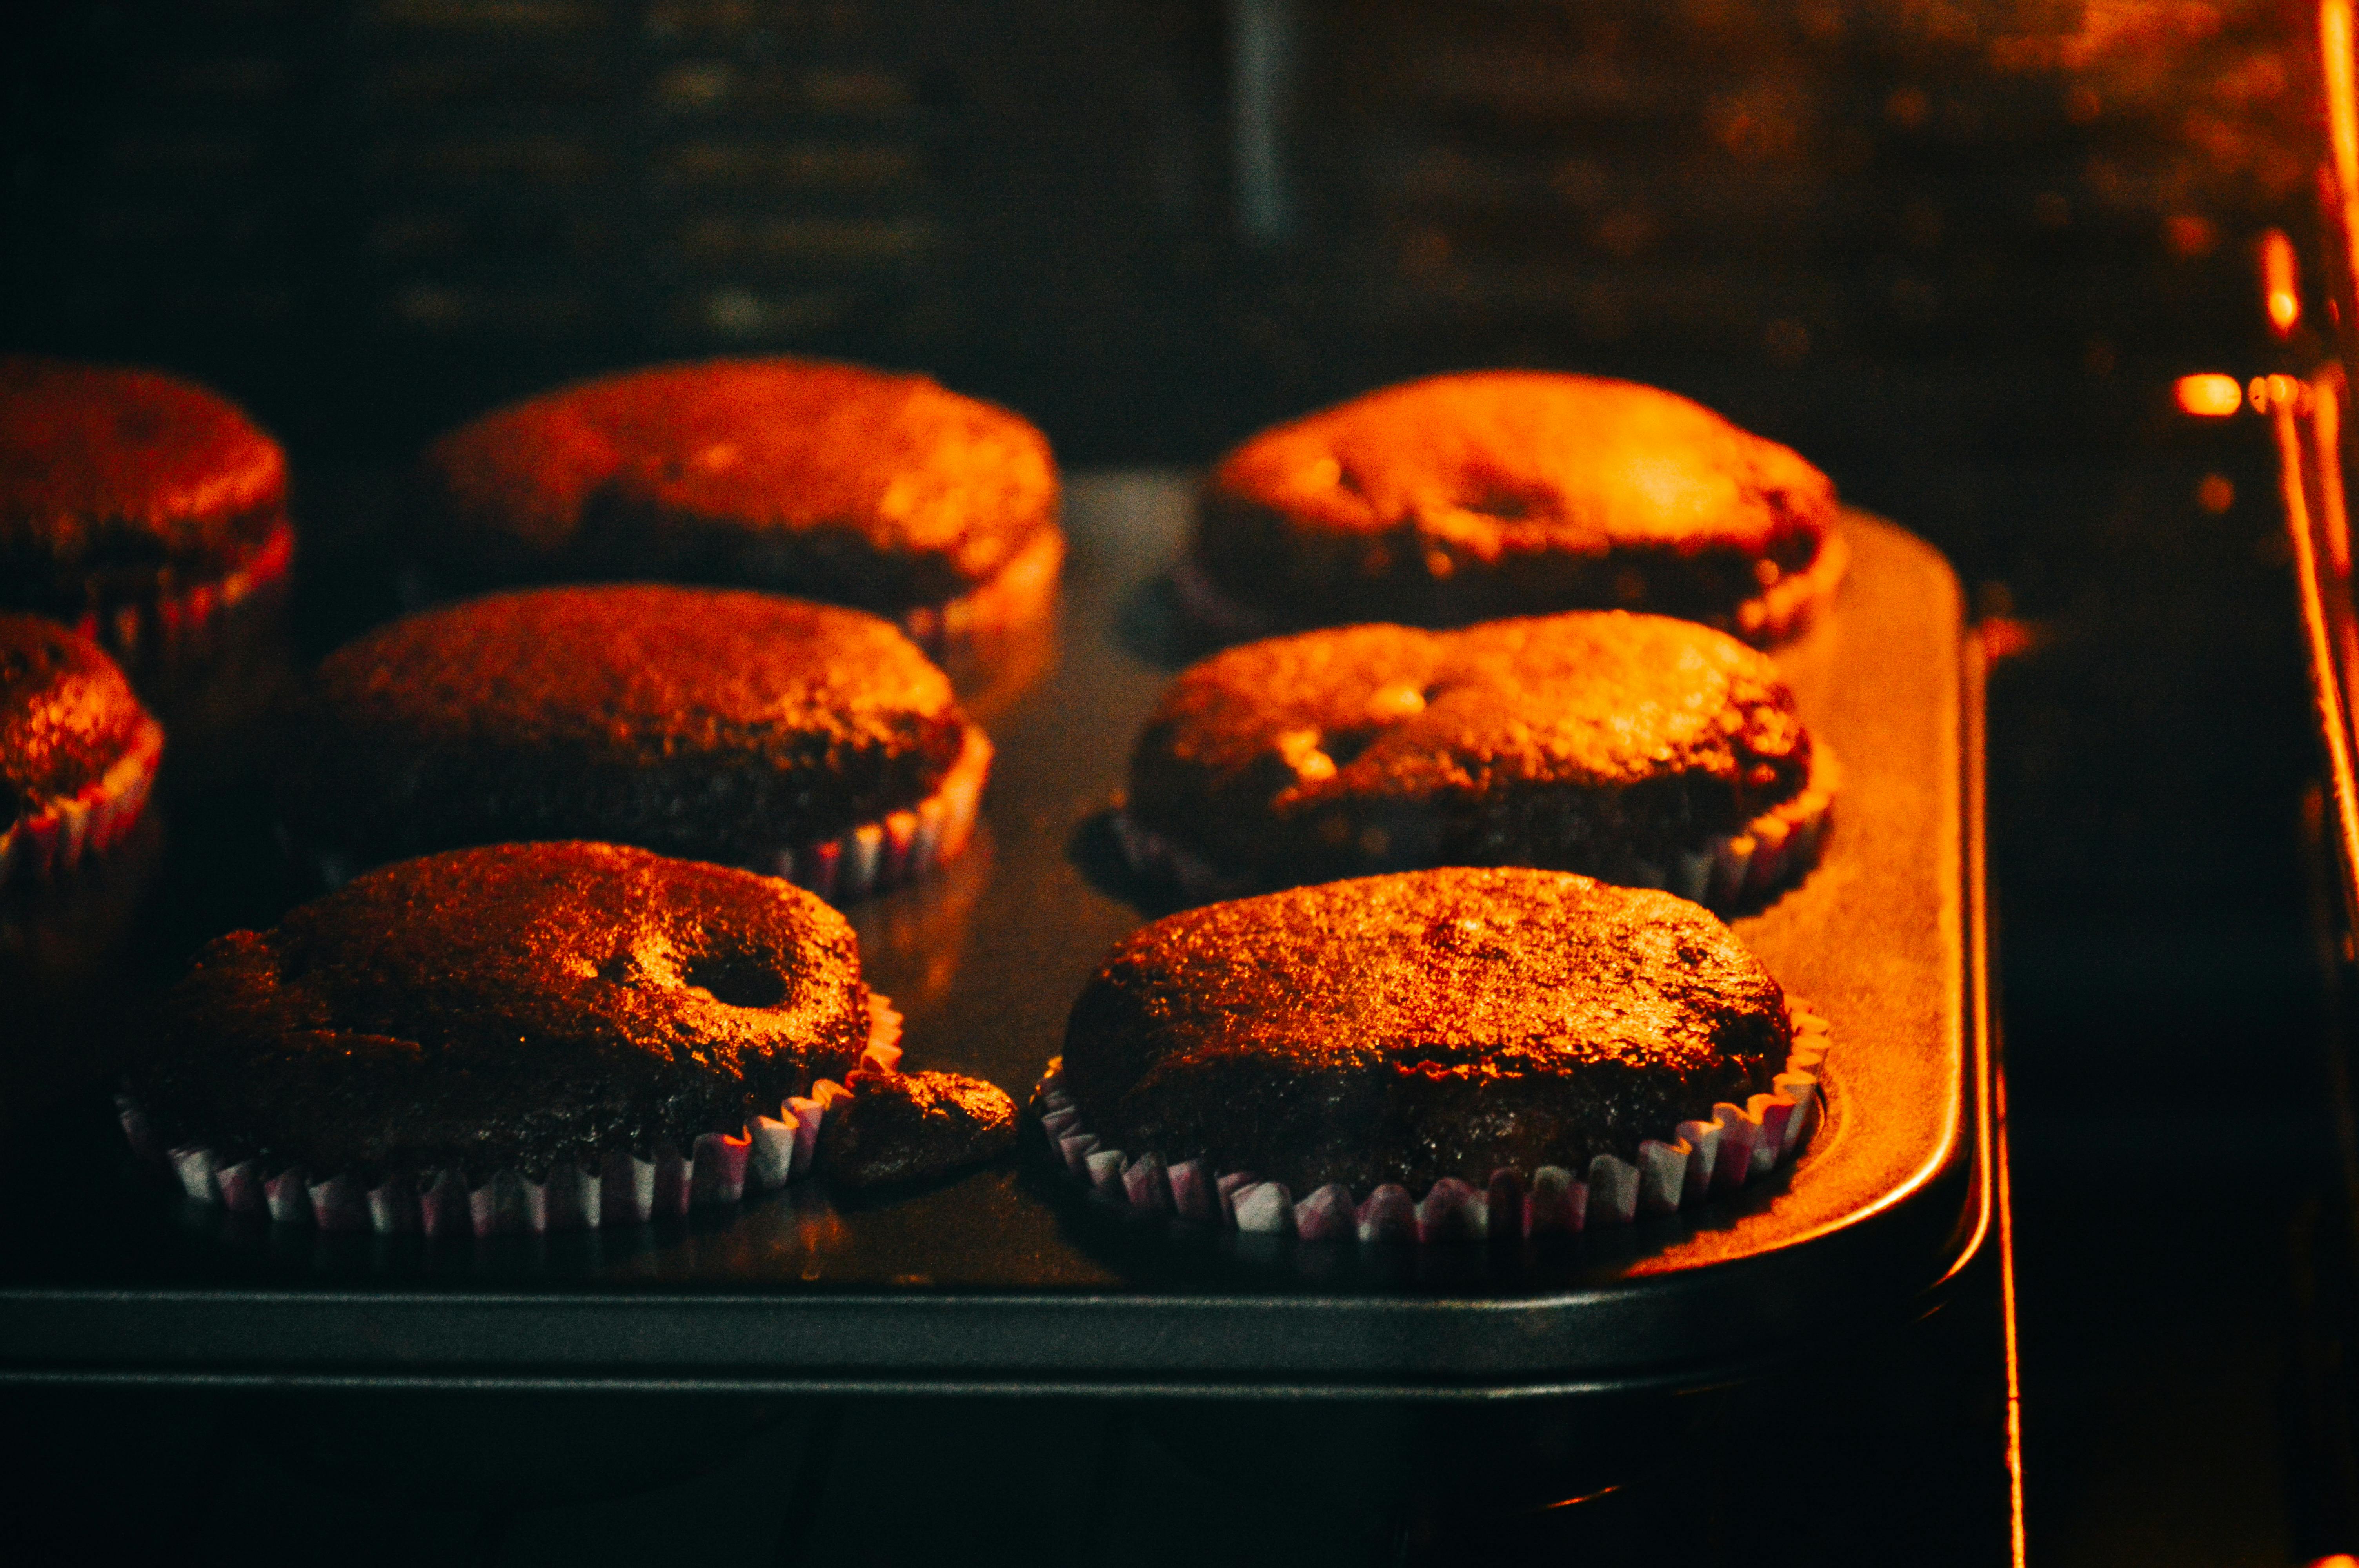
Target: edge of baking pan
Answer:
pixel 1679 1327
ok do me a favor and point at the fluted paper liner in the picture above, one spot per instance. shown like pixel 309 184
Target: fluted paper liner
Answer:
pixel 1701 1157
pixel 623 1189
pixel 1022 593
pixel 48 843
pixel 1730 872
pixel 900 847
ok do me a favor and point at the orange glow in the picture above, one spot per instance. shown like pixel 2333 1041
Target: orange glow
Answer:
pixel 2342 111
pixel 2189 234
pixel 2271 393
pixel 2210 396
pixel 2215 494
pixel 2004 637
pixel 2278 278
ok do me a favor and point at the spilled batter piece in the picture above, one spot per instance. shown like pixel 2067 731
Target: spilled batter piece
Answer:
pixel 832 482
pixel 899 1128
pixel 1404 1028
pixel 801 740
pixel 1640 749
pixel 535 1007
pixel 1466 498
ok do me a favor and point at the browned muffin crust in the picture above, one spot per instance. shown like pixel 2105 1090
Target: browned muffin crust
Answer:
pixel 523 1005
pixel 1434 1024
pixel 1595 742
pixel 847 485
pixel 911 1127
pixel 1466 498
pixel 124 484
pixel 67 715
pixel 692 721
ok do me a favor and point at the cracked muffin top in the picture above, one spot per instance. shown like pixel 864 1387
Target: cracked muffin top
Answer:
pixel 1463 498
pixel 1584 742
pixel 67 715
pixel 112 478
pixel 1435 1023
pixel 519 1005
pixel 693 721
pixel 851 485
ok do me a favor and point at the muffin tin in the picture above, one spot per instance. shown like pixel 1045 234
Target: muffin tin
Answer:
pixel 1005 1279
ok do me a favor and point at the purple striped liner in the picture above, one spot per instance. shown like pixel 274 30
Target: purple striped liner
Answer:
pixel 622 1190
pixel 901 847
pixel 1701 1157
pixel 1730 871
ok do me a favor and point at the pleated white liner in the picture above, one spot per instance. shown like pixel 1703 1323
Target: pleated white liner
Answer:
pixel 1730 871
pixel 624 1190
pixel 901 847
pixel 1701 1157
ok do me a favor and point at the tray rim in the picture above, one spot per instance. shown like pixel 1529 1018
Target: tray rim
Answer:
pixel 49 1334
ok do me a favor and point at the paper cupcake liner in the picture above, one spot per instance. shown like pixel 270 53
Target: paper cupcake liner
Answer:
pixel 1700 1158
pixel 1021 593
pixel 153 631
pixel 900 847
pixel 47 844
pixel 1782 611
pixel 1730 872
pixel 720 1168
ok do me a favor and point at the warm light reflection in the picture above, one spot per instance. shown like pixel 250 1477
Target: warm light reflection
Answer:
pixel 2280 281
pixel 2342 111
pixel 2326 433
pixel 2210 396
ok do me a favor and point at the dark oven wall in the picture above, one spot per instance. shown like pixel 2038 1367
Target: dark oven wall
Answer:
pixel 369 218
pixel 1155 223
pixel 1952 250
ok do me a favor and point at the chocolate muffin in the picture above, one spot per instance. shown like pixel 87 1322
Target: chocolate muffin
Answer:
pixel 135 506
pixel 798 739
pixel 543 1011
pixel 78 752
pixel 885 492
pixel 1406 1030
pixel 1636 747
pixel 1466 498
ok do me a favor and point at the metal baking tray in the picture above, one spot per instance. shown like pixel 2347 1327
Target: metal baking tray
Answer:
pixel 1005 1279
